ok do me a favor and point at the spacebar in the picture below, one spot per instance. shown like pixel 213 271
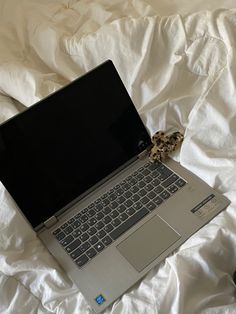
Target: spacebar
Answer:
pixel 129 223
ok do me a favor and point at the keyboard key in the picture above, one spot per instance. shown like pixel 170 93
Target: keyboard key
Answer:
pixel 99 216
pixel 144 200
pixel 67 240
pixel 71 220
pixel 68 230
pixel 84 237
pixel 112 197
pixel 106 220
pixel 141 184
pixel 106 210
pixel 60 236
pixel 108 228
pixel 116 222
pixel 180 182
pixel 120 199
pixel 156 182
pixel 149 187
pixel 91 253
pixel 98 200
pixel 82 260
pixel 92 221
pixel 154 165
pixel 111 191
pixel 77 216
pixel 121 208
pixel 101 234
pixel 127 194
pixel 140 176
pixel 76 233
pixel 158 189
pixel 93 240
pixel 58 230
pixel 155 174
pixel 165 195
pixel 91 213
pixel 164 169
pixel 114 214
pixel 123 216
pixel 147 179
pixel 164 173
pixel 83 218
pixel 146 172
pixel 99 246
pixel 76 224
pixel 163 176
pixel 105 202
pixel 99 225
pixel 170 180
pixel 120 191
pixel 64 225
pixel 85 246
pixel 137 206
pixel 134 189
pixel 107 240
pixel 130 211
pixel 151 206
pixel 98 207
pixel 84 211
pixel 151 195
pixel 92 231
pixel 128 203
pixel 128 223
pixel 126 186
pixel 173 188
pixel 132 181
pixel 114 204
pixel 75 244
pixel 142 192
pixel 157 200
pixel 76 253
pixel 84 227
pixel 135 197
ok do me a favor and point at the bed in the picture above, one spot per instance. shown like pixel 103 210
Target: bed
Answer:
pixel 177 60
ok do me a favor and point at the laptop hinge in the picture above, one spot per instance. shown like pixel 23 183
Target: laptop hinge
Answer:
pixel 50 222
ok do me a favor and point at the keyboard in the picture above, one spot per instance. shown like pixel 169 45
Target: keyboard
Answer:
pixel 102 222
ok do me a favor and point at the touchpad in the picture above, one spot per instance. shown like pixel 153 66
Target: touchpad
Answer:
pixel 148 242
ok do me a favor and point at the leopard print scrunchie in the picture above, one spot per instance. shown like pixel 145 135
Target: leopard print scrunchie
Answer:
pixel 163 145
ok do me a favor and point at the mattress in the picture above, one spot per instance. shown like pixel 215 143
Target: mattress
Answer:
pixel 177 60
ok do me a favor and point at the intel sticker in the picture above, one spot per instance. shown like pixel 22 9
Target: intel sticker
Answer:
pixel 100 299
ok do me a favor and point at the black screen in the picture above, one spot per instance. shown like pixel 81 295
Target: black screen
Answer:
pixel 53 152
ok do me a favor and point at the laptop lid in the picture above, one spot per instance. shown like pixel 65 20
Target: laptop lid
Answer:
pixel 59 148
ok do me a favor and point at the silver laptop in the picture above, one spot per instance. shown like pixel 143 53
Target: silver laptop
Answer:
pixel 76 165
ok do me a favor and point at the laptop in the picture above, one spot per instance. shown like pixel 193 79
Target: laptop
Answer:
pixel 76 164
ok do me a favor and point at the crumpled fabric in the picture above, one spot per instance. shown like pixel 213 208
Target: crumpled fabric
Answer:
pixel 179 72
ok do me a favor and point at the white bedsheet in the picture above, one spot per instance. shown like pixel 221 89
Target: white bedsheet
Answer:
pixel 180 73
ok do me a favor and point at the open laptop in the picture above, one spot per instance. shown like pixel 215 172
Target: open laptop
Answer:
pixel 75 164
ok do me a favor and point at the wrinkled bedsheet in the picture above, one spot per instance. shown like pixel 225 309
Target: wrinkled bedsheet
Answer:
pixel 180 74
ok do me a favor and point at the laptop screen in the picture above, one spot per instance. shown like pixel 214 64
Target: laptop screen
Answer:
pixel 56 150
